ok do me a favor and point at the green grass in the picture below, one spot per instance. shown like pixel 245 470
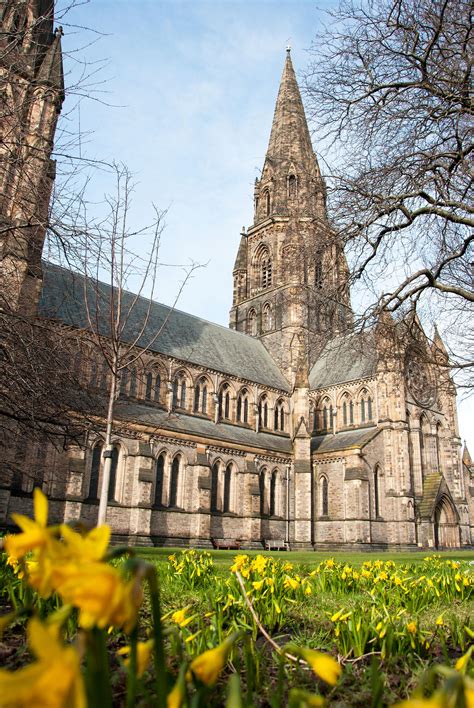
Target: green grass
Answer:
pixel 225 558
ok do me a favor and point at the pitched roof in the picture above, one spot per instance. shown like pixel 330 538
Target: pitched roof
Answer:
pixel 343 441
pixel 344 359
pixel 203 427
pixel 181 335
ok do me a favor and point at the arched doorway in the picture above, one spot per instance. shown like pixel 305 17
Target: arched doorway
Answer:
pixel 446 529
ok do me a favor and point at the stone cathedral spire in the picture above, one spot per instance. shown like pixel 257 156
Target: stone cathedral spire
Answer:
pixel 290 274
pixel 291 182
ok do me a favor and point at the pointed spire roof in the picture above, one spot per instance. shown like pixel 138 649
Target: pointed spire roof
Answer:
pixel 241 260
pixel 289 137
pixel 438 344
pixel 51 69
pixel 466 457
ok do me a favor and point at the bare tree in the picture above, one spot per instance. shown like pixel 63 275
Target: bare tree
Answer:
pixel 118 316
pixel 390 93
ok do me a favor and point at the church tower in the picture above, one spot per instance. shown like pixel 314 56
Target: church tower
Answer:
pixel 32 87
pixel 290 274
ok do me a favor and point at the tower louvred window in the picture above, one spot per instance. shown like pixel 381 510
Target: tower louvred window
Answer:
pixel 266 272
pixel 292 186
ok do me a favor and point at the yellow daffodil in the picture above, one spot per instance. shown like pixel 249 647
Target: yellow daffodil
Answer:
pixel 144 653
pixel 259 563
pixel 53 681
pixel 90 547
pixel 176 696
pixel 101 595
pixel 179 617
pixel 258 584
pixel 323 665
pixel 239 561
pixel 439 621
pixel 463 661
pixel 291 583
pixel 411 627
pixel 207 666
pixel 35 533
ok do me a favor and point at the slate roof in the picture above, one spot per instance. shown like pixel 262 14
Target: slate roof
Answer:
pixel 343 441
pixel 194 425
pixel 344 359
pixel 183 336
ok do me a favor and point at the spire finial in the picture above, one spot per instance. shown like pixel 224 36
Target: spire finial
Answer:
pixel 288 48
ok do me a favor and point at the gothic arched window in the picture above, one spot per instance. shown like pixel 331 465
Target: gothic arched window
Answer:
pixel 273 482
pixel 327 414
pixel 148 386
pixel 267 319
pixel 95 470
pixel 292 186
pixel 243 407
pixel 214 486
pixel 365 407
pixel 376 493
pixel 159 480
pixel 200 396
pixel 227 487
pixel 279 416
pixel 123 382
pixel 224 403
pixel 266 272
pixel 252 323
pixel 113 474
pixel 157 388
pixel 179 391
pixel 261 487
pixel 174 481
pixel 133 383
pixel 263 267
pixel 263 412
pixel 267 202
pixel 369 408
pixel 324 497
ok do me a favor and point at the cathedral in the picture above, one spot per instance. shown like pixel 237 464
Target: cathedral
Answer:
pixel 290 429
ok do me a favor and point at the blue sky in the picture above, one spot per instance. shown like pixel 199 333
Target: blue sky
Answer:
pixel 189 88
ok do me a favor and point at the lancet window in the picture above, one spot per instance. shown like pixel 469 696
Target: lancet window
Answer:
pixel 279 416
pixel 224 403
pixel 174 481
pixel 159 480
pixel 200 396
pixel 95 471
pixel 263 412
pixel 252 323
pixel 267 318
pixel 243 407
pixel 324 496
pixel 273 484
pixel 179 391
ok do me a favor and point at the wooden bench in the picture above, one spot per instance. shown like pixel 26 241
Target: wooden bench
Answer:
pixel 228 544
pixel 274 545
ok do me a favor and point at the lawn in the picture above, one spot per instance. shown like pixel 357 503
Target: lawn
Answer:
pixel 158 626
pixel 310 557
